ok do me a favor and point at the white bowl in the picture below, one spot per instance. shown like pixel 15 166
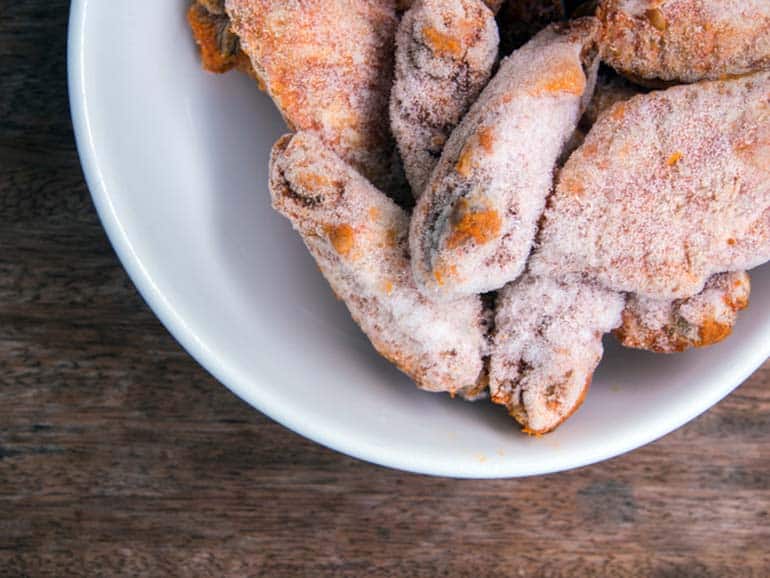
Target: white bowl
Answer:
pixel 176 160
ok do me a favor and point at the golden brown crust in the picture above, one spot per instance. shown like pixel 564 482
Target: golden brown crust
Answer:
pixel 686 40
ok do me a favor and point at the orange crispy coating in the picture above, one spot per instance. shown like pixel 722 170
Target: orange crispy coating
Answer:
pixel 480 225
pixel 712 332
pixel 486 140
pixel 686 40
pixel 327 65
pixel 219 48
pixel 443 273
pixel 342 238
pixel 674 158
pixel 465 162
pixel 699 321
pixel 567 77
pixel 442 43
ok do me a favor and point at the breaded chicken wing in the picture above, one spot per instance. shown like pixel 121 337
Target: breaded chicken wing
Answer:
pixel 548 338
pixel 444 57
pixel 358 237
pixel 667 326
pixel 668 189
pixel 547 345
pixel 327 64
pixel 473 226
pixel 685 40
pixel 701 320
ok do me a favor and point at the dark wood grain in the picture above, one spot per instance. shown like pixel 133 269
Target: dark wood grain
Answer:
pixel 120 456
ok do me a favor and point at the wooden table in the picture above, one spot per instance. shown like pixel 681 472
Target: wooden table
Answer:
pixel 119 455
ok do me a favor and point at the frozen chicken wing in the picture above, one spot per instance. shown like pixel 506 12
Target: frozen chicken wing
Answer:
pixel 444 57
pixel 474 224
pixel 358 237
pixel 668 189
pixel 327 64
pixel 685 40
pixel 547 344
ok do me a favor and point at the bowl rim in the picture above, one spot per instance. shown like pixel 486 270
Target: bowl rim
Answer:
pixel 283 413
